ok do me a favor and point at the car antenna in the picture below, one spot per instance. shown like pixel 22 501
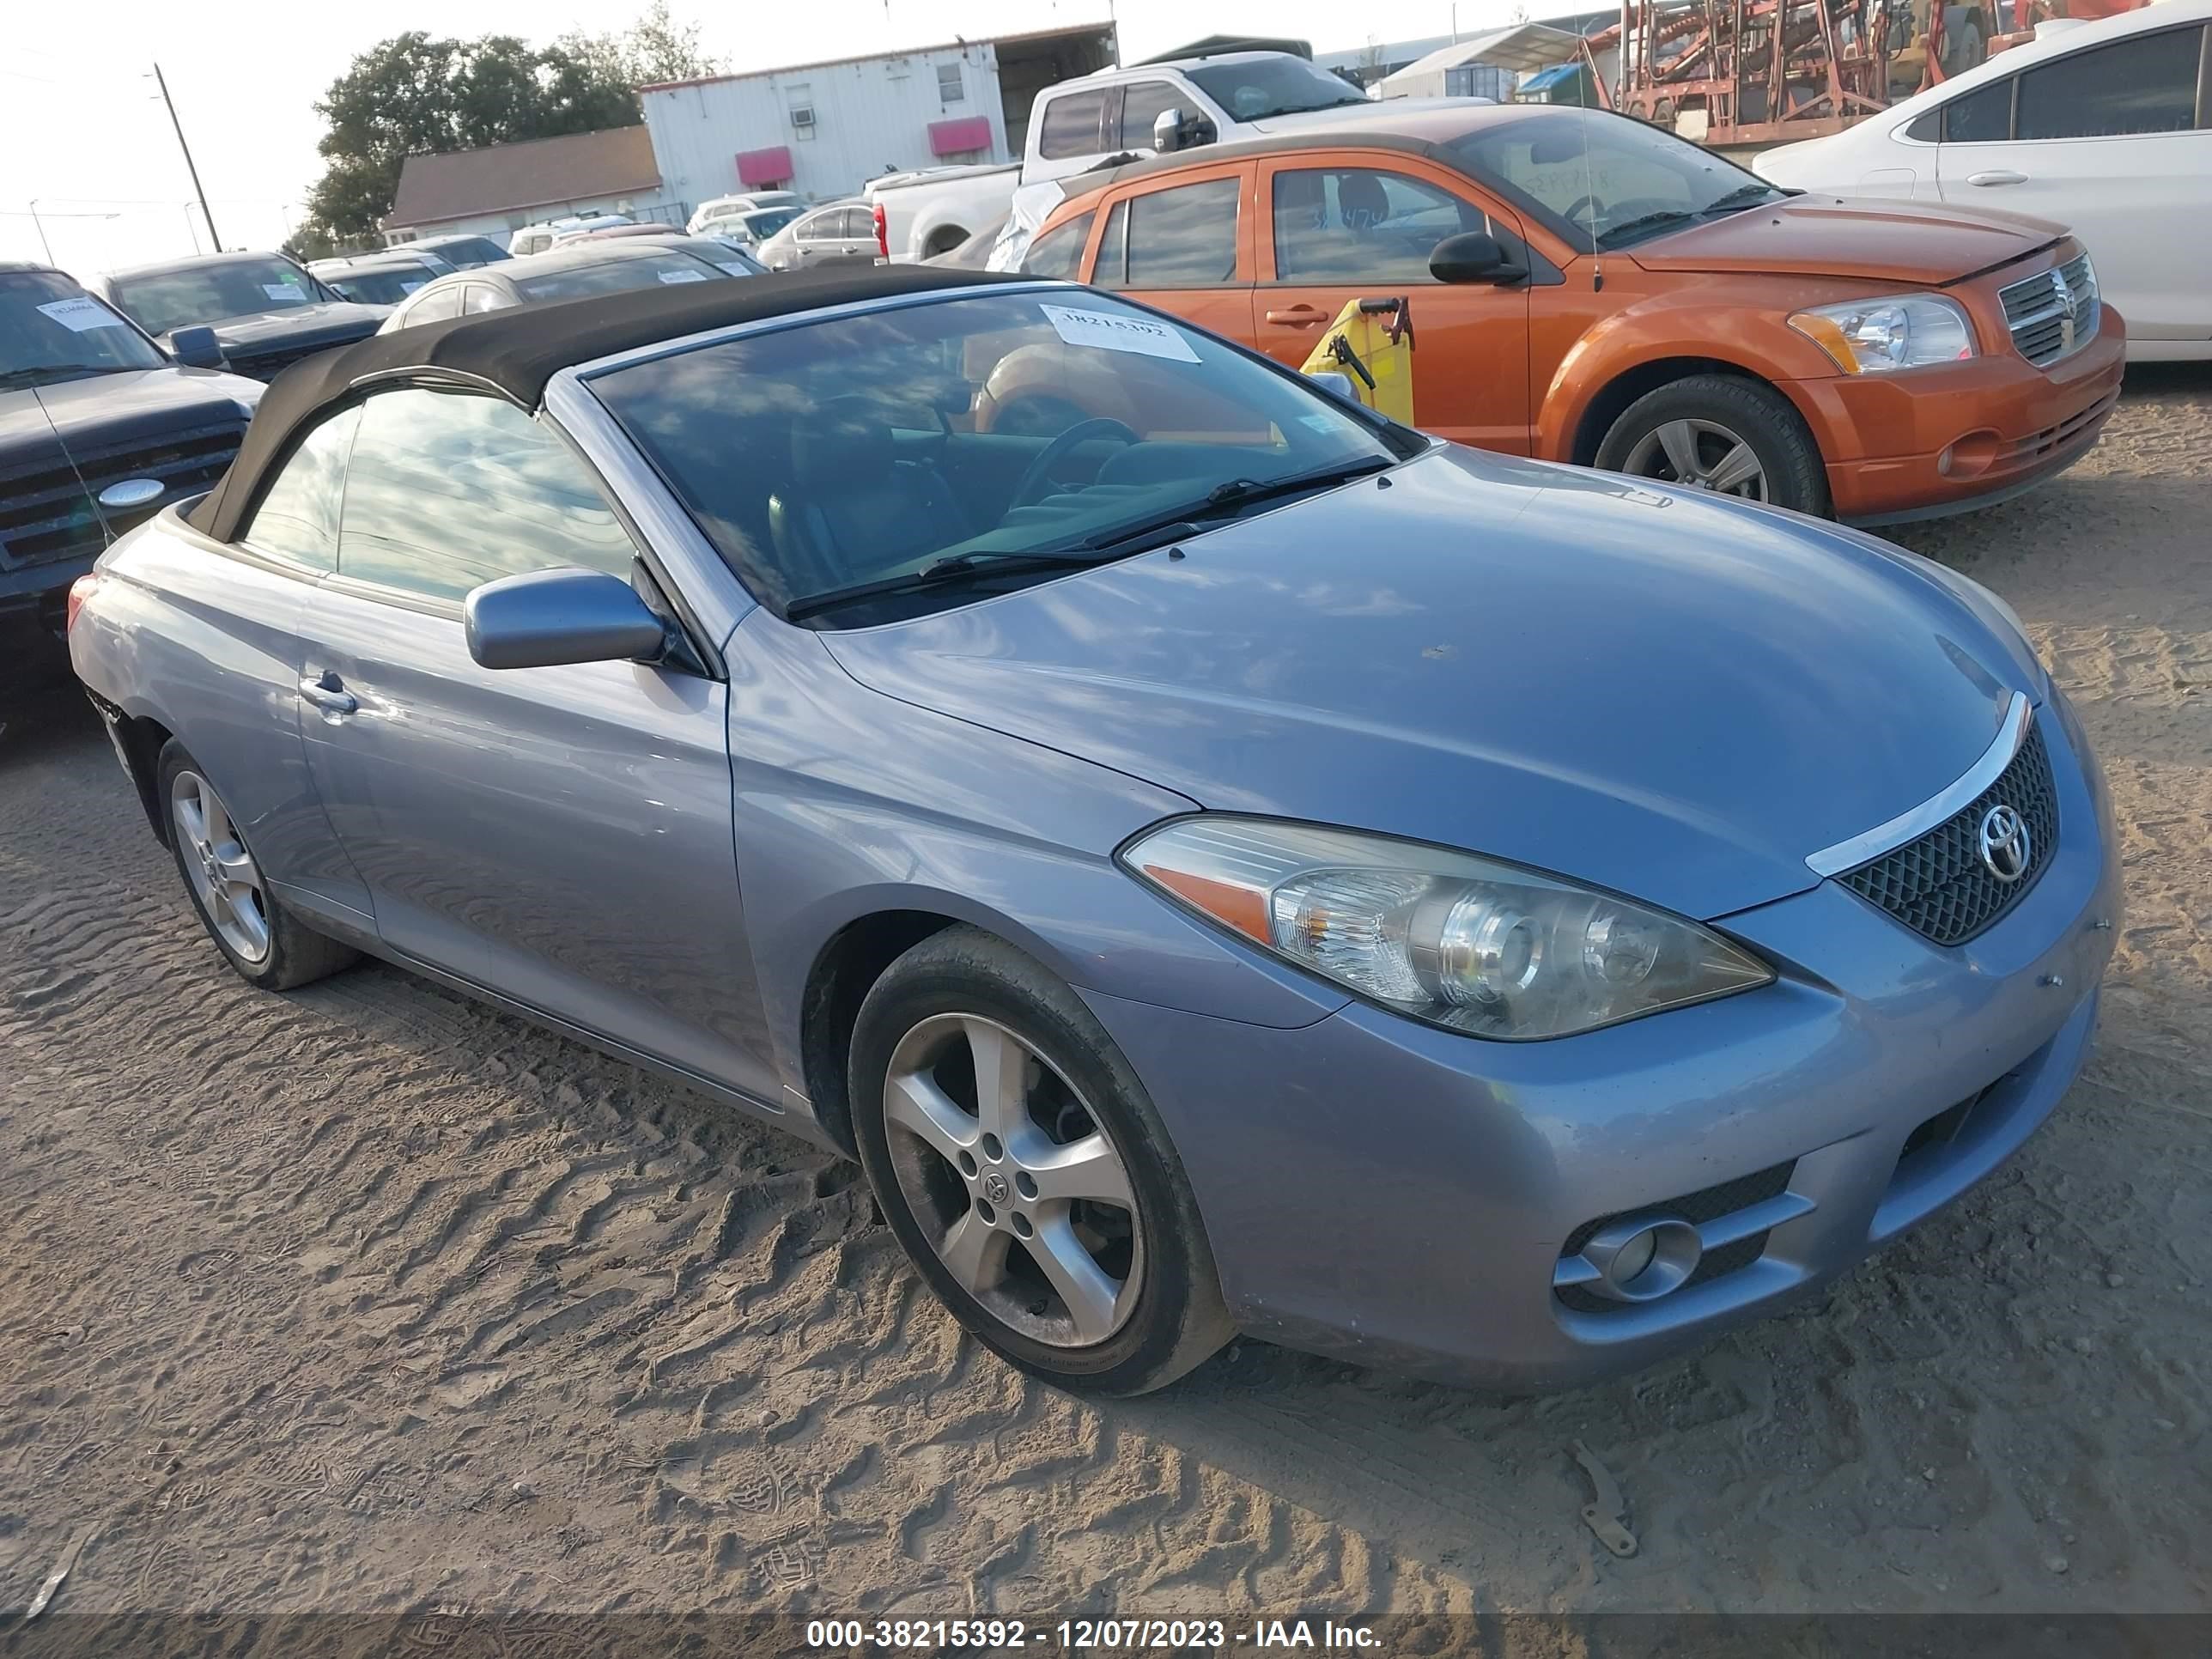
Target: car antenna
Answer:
pixel 107 531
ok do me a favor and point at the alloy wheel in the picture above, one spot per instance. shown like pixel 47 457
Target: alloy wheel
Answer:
pixel 222 871
pixel 1699 455
pixel 1013 1181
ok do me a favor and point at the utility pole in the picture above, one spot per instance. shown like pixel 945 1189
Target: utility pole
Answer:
pixel 41 224
pixel 190 167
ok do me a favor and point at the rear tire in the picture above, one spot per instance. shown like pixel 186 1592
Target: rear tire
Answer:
pixel 265 944
pixel 1700 421
pixel 1115 1293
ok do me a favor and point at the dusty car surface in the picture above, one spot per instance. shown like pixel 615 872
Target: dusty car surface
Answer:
pixel 1587 288
pixel 1241 864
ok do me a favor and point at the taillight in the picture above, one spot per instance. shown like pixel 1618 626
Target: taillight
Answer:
pixel 883 233
pixel 80 590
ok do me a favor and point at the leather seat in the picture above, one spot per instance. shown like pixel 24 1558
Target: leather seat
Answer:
pixel 852 510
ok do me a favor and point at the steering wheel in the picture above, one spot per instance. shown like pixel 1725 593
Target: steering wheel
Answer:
pixel 1029 491
pixel 1576 208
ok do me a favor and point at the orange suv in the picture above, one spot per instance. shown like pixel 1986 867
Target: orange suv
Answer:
pixel 1587 288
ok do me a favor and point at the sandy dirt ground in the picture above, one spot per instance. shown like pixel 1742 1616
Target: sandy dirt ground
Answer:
pixel 367 1297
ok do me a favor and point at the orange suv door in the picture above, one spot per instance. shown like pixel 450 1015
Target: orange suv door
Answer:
pixel 1363 228
pixel 1185 246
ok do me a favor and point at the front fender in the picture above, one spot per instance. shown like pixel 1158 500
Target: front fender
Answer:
pixel 848 803
pixel 1732 321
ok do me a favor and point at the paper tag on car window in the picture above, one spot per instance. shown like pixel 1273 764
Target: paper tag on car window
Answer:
pixel 683 276
pixel 735 271
pixel 1109 330
pixel 284 293
pixel 78 315
pixel 409 288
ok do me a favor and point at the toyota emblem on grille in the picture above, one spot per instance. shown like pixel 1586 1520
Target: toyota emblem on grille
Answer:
pixel 2003 842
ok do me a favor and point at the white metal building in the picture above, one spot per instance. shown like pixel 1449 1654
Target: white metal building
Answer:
pixel 824 129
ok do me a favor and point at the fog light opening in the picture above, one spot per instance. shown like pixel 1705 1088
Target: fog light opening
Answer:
pixel 1642 1257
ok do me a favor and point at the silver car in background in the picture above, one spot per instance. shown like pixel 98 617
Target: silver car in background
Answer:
pixel 1218 858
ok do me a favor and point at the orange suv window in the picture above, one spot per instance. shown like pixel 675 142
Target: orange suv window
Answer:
pixel 1361 225
pixel 1183 237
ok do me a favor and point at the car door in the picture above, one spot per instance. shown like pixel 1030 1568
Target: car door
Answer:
pixel 1184 244
pixel 247 729
pixel 559 835
pixel 1340 230
pixel 2110 141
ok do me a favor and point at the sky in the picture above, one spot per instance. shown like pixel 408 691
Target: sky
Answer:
pixel 83 135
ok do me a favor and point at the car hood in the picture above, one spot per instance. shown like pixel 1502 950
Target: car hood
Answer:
pixel 1835 236
pixel 339 320
pixel 1673 696
pixel 104 410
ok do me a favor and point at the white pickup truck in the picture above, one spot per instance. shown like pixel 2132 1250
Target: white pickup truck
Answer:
pixel 1076 125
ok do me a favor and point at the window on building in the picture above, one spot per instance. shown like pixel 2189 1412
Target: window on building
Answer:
pixel 801 102
pixel 950 88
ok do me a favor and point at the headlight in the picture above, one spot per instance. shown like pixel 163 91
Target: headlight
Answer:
pixel 1488 948
pixel 1905 331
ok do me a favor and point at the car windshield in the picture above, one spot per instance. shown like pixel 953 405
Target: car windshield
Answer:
pixel 1605 181
pixel 159 301
pixel 467 252
pixel 380 286
pixel 53 330
pixel 1262 87
pixel 766 222
pixel 993 437
pixel 620 271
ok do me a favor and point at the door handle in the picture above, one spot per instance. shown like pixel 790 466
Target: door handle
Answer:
pixel 1298 317
pixel 1997 176
pixel 329 695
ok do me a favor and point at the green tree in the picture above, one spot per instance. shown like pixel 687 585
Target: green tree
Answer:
pixel 414 95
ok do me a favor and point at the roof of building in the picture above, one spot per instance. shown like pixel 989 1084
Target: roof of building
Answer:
pixel 1523 46
pixel 532 173
pixel 516 351
pixel 955 44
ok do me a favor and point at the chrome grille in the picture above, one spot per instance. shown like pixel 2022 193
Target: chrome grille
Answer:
pixel 2055 313
pixel 46 512
pixel 1938 886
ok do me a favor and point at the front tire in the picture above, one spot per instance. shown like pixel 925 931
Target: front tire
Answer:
pixel 1725 434
pixel 263 942
pixel 1021 1165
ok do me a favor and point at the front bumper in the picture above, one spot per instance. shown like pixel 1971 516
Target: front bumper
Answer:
pixel 1380 1190
pixel 1942 440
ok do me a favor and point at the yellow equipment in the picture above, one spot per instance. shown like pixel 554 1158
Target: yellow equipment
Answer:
pixel 1372 342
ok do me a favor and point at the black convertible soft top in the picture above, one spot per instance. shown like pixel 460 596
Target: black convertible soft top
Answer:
pixel 517 350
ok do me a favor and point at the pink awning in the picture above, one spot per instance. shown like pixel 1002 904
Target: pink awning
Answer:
pixel 953 138
pixel 764 167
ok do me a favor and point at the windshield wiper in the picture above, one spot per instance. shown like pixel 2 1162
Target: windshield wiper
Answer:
pixel 1644 221
pixel 955 567
pixel 31 371
pixel 1236 492
pixel 1742 195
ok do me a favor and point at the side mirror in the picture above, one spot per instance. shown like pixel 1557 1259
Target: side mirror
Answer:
pixel 1473 255
pixel 196 348
pixel 1167 130
pixel 547 617
pixel 1334 383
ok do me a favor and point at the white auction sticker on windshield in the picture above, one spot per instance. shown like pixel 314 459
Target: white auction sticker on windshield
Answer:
pixel 79 315
pixel 1108 331
pixel 406 287
pixel 683 276
pixel 736 270
pixel 285 292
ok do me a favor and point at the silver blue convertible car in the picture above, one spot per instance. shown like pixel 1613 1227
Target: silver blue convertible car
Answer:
pixel 1219 859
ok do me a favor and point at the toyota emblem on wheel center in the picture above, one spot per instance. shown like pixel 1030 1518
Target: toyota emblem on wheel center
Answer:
pixel 995 1188
pixel 2004 843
